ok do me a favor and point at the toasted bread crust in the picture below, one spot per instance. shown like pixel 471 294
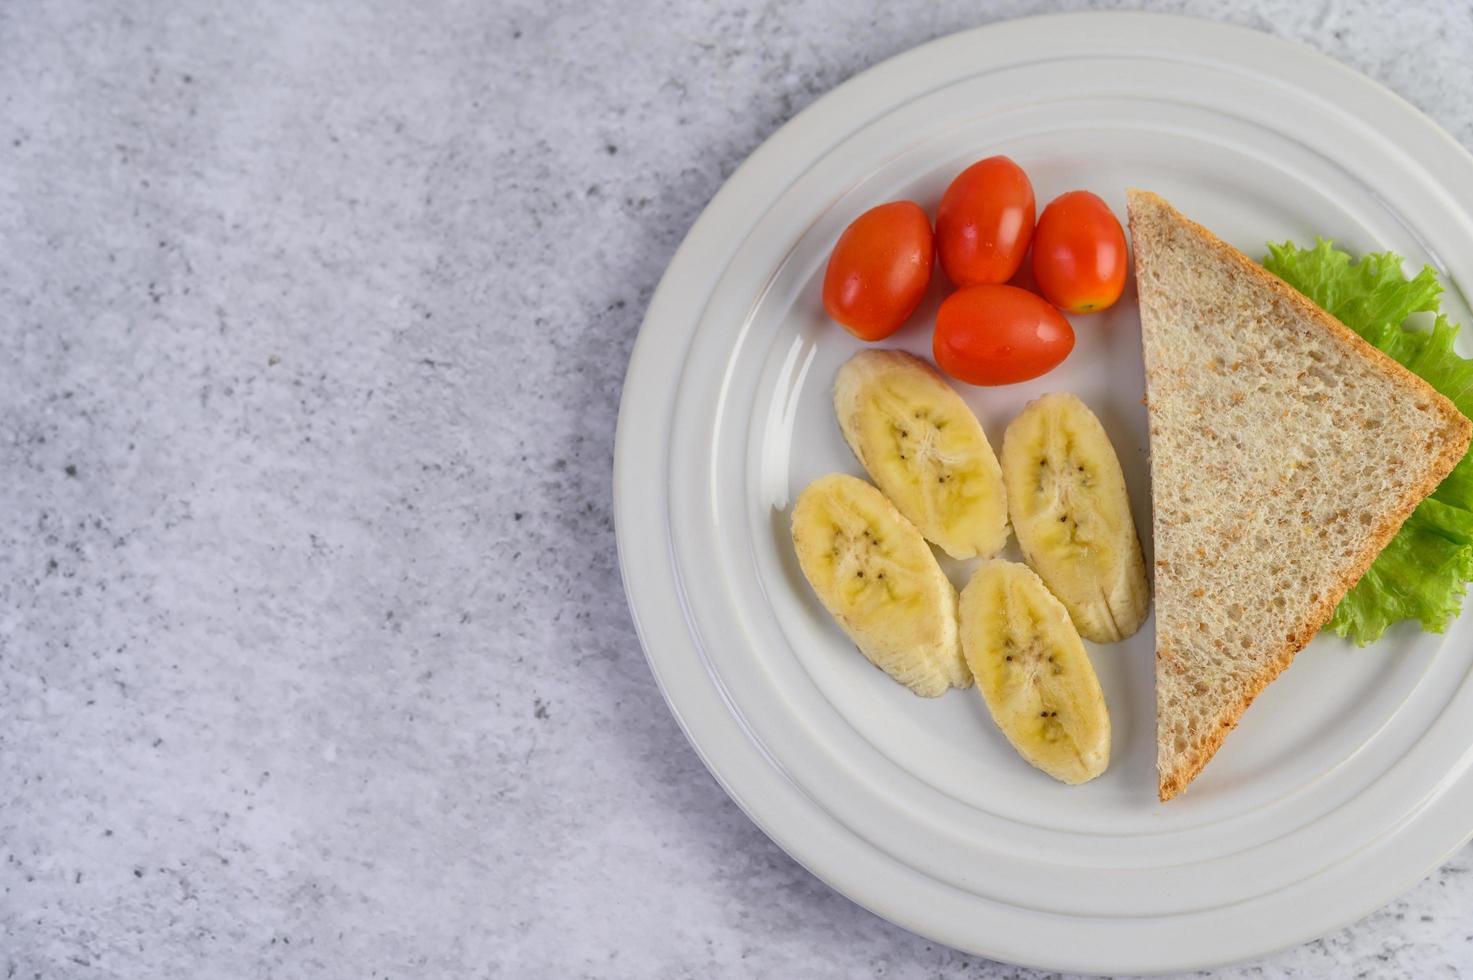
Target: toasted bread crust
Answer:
pixel 1458 432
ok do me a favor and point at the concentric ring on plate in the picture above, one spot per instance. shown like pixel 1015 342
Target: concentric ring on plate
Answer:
pixel 878 781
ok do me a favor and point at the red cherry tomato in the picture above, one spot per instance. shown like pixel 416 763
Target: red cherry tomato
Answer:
pixel 879 270
pixel 1079 257
pixel 998 335
pixel 985 222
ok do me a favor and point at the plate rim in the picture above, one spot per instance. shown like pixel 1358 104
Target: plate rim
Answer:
pixel 632 493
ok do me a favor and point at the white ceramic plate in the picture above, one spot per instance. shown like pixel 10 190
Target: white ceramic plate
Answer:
pixel 1347 780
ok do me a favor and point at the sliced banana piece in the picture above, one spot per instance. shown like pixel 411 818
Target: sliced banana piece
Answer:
pixel 925 449
pixel 1033 673
pixel 1070 510
pixel 877 576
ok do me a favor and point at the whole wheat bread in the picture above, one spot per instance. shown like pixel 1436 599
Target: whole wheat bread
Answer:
pixel 1285 453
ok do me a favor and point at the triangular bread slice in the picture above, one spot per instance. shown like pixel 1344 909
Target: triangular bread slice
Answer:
pixel 1285 452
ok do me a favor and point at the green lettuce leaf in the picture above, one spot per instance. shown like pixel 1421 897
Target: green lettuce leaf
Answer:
pixel 1423 573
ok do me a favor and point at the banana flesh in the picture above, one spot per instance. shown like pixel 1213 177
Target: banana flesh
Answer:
pixel 925 449
pixel 1033 672
pixel 876 575
pixel 1069 507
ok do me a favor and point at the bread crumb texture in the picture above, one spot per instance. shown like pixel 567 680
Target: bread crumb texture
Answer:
pixel 1285 453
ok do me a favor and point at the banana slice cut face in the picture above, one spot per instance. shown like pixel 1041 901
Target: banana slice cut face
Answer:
pixel 1070 510
pixel 876 575
pixel 925 449
pixel 1033 672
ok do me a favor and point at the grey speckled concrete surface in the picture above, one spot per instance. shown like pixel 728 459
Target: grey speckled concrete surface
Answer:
pixel 314 659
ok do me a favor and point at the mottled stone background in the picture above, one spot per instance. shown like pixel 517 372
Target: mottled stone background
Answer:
pixel 314 659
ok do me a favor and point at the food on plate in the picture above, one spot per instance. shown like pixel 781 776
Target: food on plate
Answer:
pixel 876 575
pixel 1422 574
pixel 1285 453
pixel 925 449
pixel 1303 474
pixel 1079 256
pixel 999 335
pixel 984 222
pixel 1069 507
pixel 879 270
pixel 1033 672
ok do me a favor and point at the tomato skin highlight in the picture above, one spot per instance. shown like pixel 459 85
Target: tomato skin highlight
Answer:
pixel 1079 254
pixel 985 222
pixel 999 335
pixel 879 270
